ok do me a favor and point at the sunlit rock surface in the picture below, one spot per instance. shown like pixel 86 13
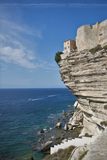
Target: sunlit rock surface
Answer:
pixel 85 74
pixel 98 150
pixel 89 36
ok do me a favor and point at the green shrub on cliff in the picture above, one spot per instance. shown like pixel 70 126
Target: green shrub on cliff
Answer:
pixel 104 123
pixel 95 49
pixel 105 47
pixel 58 56
pixel 62 154
pixel 83 155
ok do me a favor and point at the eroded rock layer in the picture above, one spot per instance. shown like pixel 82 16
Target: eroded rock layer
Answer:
pixel 85 73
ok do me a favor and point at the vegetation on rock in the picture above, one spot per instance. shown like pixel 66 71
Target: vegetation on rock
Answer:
pixel 97 48
pixel 83 155
pixel 61 154
pixel 105 47
pixel 104 123
pixel 57 56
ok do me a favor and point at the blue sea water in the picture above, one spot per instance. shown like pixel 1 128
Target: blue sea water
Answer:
pixel 22 113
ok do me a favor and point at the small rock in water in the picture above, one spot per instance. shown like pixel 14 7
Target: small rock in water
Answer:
pixel 58 125
pixel 46 146
pixel 66 127
pixel 44 129
pixel 70 126
pixel 41 132
pixel 32 158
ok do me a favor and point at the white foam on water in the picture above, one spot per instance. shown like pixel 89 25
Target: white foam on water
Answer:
pixel 41 98
pixel 51 95
pixel 35 99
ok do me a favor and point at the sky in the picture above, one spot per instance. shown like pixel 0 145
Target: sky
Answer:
pixel 31 32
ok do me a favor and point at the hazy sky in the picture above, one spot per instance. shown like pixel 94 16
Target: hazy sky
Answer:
pixel 32 31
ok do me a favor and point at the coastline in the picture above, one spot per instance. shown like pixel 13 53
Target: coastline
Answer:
pixel 22 118
pixel 55 136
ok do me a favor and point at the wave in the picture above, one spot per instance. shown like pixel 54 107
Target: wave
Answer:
pixel 56 115
pixel 41 98
pixel 51 95
pixel 51 116
pixel 35 99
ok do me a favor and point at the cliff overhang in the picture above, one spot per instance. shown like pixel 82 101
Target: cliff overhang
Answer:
pixel 84 72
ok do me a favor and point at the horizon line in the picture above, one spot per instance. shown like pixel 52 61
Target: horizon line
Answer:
pixel 55 4
pixel 35 88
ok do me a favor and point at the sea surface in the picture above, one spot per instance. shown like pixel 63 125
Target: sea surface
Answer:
pixel 22 113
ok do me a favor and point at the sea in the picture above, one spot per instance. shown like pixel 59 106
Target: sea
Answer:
pixel 25 111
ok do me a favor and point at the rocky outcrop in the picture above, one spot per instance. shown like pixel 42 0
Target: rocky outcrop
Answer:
pixel 97 150
pixel 76 142
pixel 93 151
pixel 79 153
pixel 85 74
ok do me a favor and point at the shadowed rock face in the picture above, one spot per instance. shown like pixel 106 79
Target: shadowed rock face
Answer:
pixel 85 74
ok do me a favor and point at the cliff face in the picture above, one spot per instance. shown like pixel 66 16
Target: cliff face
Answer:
pixel 85 74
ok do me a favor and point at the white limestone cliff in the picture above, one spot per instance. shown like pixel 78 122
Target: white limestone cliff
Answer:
pixel 84 72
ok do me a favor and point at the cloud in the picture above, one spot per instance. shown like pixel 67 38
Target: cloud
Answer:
pixel 23 29
pixel 14 46
pixel 17 56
